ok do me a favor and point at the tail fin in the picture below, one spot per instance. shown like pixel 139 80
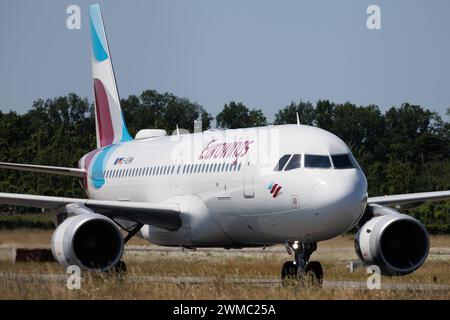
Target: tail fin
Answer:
pixel 109 120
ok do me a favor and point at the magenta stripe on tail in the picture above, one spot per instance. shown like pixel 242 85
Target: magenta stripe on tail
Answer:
pixel 105 127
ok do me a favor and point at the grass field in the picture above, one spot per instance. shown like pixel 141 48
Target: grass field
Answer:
pixel 219 267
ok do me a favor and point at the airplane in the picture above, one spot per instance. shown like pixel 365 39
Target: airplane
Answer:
pixel 293 185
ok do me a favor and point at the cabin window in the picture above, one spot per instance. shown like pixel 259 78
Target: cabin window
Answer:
pixel 282 162
pixel 342 161
pixel 317 161
pixel 294 163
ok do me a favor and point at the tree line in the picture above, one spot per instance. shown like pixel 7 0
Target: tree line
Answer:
pixel 403 150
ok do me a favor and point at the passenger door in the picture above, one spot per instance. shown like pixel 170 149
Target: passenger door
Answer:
pixel 248 171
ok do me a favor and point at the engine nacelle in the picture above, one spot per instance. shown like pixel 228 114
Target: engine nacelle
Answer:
pixel 397 243
pixel 89 240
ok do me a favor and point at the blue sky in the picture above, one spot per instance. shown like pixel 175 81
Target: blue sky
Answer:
pixel 263 53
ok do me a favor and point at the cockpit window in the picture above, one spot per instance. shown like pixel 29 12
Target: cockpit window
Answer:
pixel 282 162
pixel 342 161
pixel 316 161
pixel 295 162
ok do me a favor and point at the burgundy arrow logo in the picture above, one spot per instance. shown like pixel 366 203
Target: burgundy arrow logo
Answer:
pixel 274 189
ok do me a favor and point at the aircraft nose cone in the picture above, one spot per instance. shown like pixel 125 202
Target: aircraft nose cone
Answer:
pixel 341 200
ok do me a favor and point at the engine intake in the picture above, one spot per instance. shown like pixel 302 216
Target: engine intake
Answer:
pixel 91 241
pixel 397 243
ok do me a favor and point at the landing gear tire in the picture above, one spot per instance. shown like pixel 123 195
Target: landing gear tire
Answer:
pixel 289 273
pixel 301 272
pixel 121 268
pixel 314 274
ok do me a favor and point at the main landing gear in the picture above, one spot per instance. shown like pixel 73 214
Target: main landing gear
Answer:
pixel 301 271
pixel 120 269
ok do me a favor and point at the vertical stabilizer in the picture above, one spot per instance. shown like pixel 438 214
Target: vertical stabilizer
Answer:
pixel 109 120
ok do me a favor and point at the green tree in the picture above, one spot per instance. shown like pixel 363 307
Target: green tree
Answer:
pixel 162 111
pixel 237 115
pixel 288 114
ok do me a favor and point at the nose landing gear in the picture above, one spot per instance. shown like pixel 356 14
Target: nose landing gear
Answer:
pixel 301 271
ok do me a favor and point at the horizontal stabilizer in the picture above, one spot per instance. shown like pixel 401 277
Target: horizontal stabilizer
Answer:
pixel 74 172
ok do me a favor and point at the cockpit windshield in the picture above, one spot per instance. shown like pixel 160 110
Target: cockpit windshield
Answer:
pixel 342 161
pixel 282 162
pixel 317 161
pixel 294 161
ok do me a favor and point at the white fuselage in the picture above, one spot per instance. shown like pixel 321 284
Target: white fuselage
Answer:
pixel 227 188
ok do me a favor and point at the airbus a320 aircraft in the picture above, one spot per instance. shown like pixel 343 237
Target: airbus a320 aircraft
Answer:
pixel 291 184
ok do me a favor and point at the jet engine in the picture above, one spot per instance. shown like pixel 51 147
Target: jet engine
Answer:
pixel 397 243
pixel 89 240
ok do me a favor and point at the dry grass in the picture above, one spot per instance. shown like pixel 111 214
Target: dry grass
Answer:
pixel 220 267
pixel 111 289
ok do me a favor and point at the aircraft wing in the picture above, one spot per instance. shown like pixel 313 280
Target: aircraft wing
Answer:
pixel 74 172
pixel 411 198
pixel 160 215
